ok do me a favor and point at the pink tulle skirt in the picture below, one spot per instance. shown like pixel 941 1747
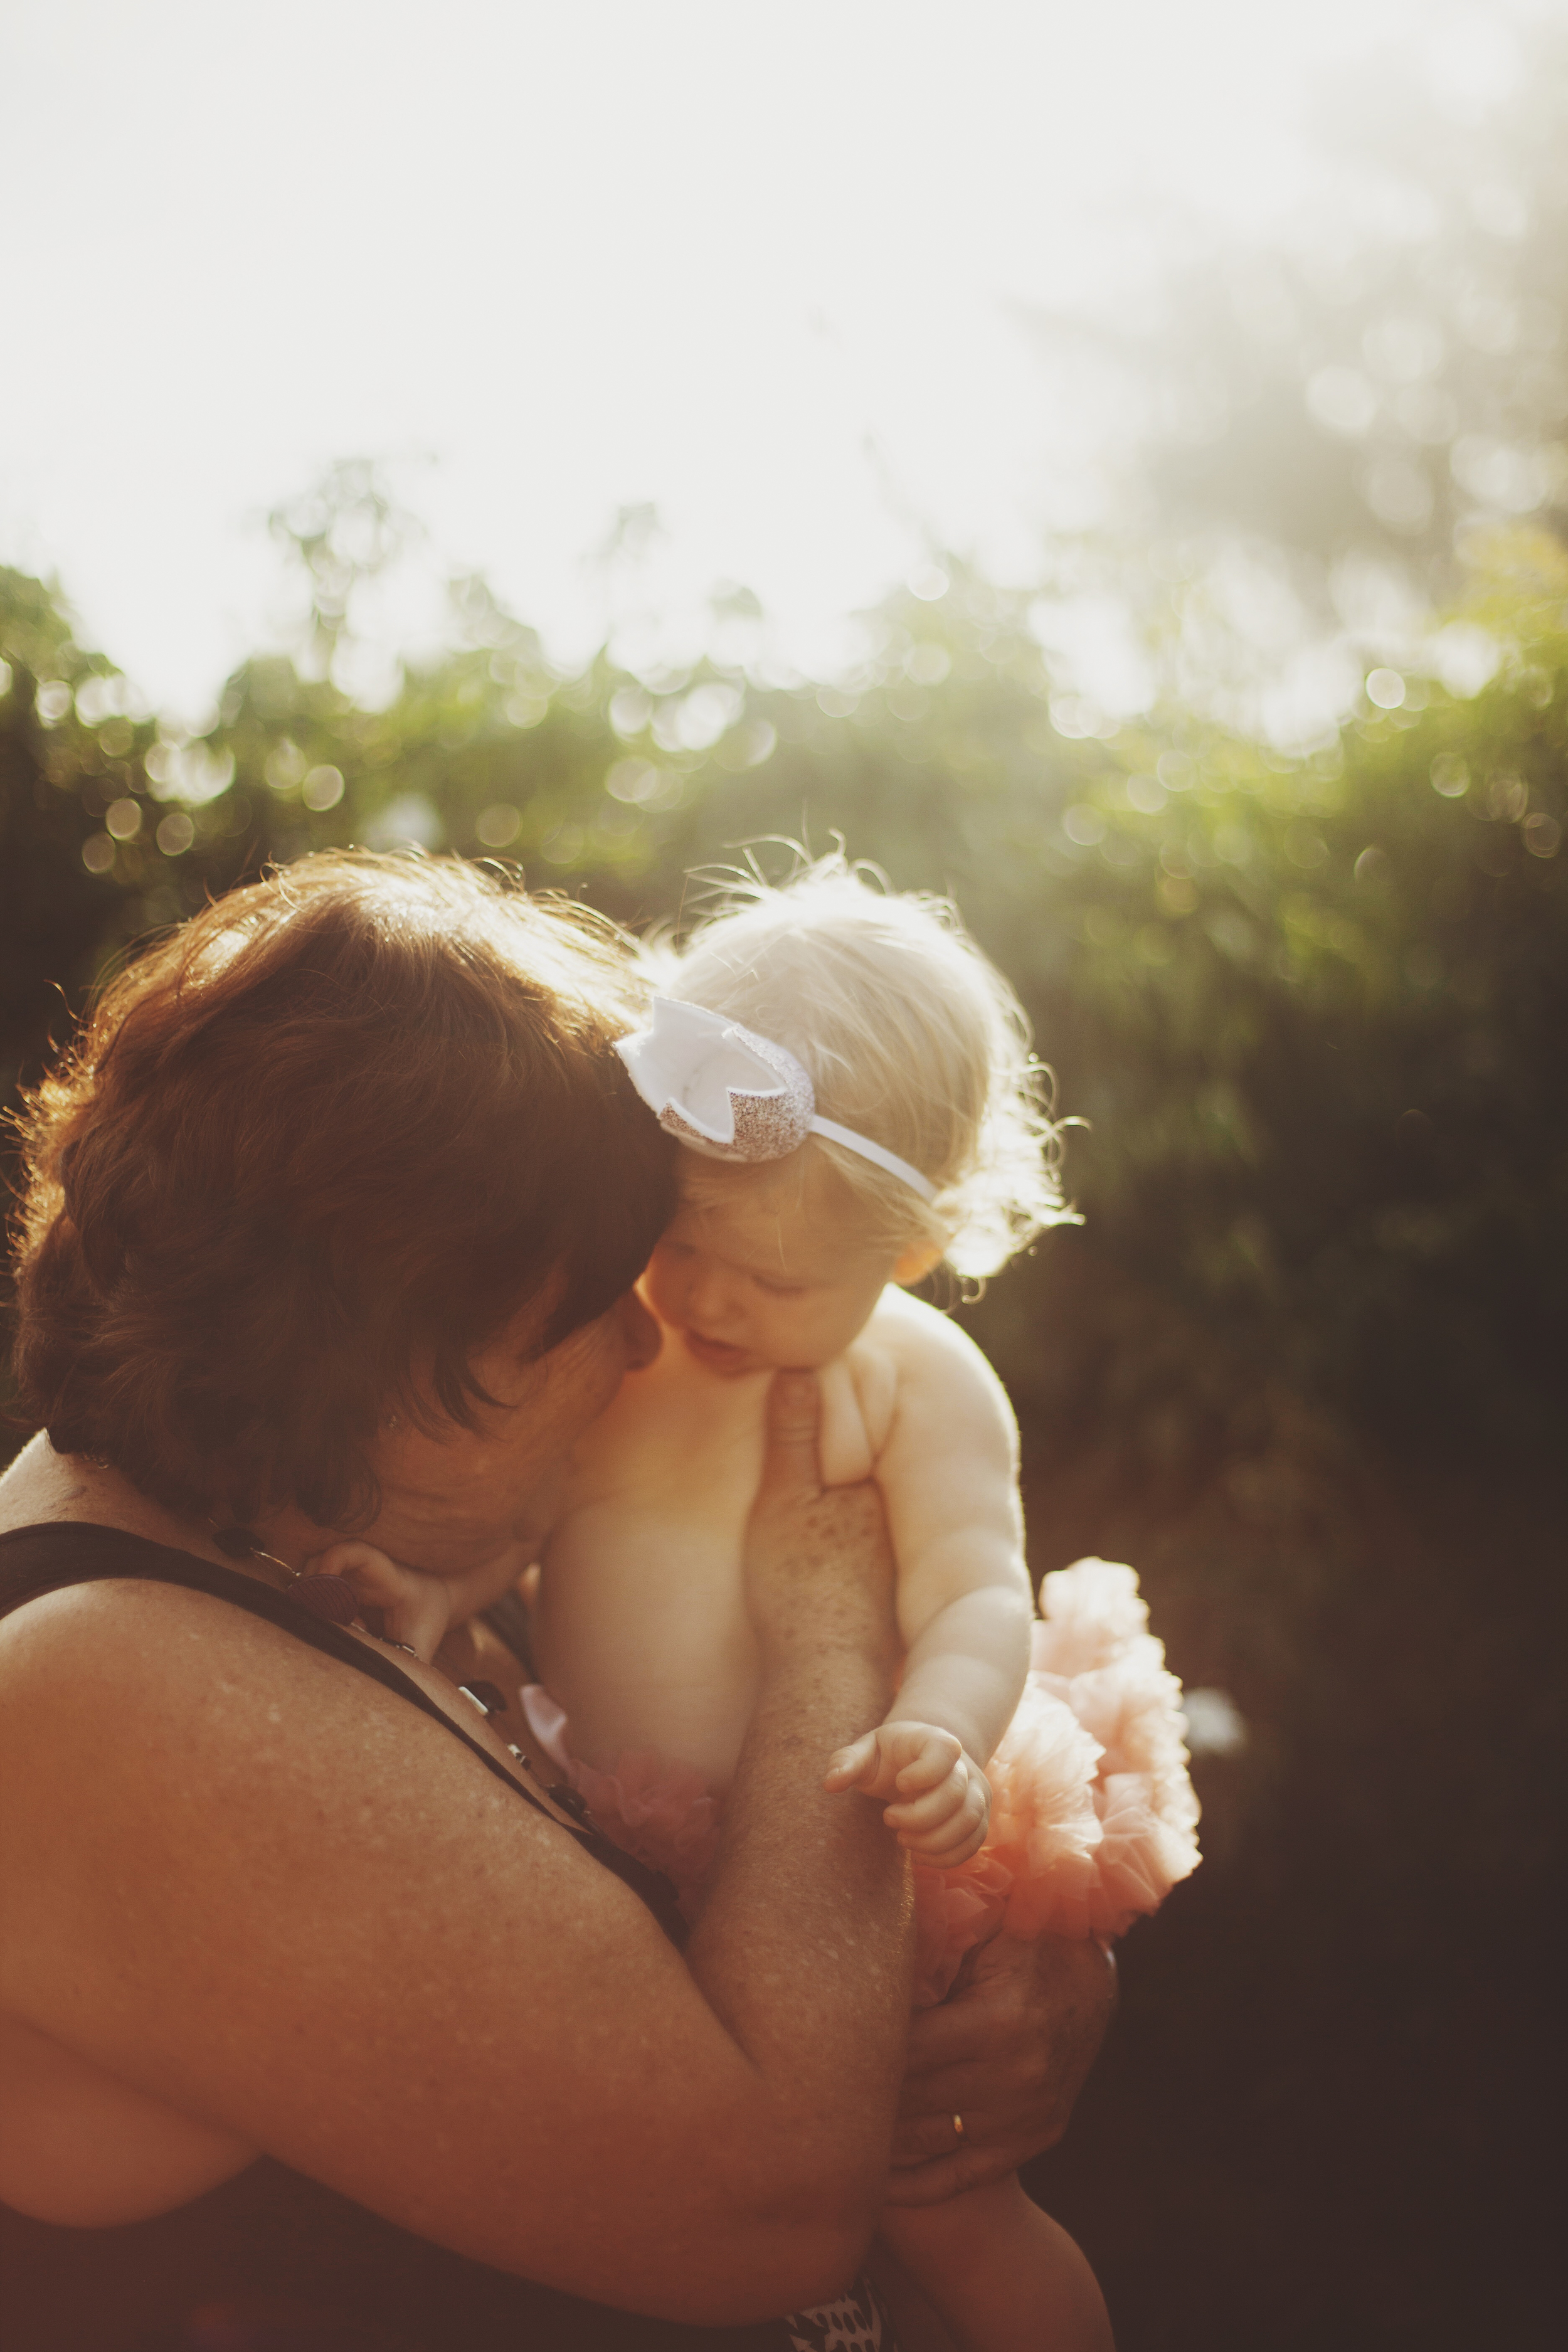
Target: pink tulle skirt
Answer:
pixel 1093 1818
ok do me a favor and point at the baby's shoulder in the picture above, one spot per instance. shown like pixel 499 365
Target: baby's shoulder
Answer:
pixel 922 1343
pixel 931 1367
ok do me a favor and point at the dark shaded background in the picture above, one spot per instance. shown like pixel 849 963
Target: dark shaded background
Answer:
pixel 1303 1363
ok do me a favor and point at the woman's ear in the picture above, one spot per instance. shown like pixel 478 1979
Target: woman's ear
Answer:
pixel 918 1261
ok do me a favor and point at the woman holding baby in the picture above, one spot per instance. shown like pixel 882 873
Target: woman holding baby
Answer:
pixel 326 2016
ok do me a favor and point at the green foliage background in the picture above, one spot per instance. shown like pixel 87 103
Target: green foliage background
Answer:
pixel 1312 1011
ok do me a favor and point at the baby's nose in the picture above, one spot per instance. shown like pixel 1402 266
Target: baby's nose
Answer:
pixel 711 1298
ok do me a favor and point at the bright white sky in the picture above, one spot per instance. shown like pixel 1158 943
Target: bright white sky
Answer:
pixel 759 265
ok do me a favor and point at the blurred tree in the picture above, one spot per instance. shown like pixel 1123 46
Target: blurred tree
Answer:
pixel 1313 1008
pixel 342 533
pixel 1322 421
pixel 83 855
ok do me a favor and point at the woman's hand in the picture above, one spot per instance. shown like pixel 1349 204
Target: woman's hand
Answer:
pixel 818 1565
pixel 943 1801
pixel 1008 2053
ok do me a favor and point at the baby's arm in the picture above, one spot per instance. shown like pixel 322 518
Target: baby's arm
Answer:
pixel 949 1477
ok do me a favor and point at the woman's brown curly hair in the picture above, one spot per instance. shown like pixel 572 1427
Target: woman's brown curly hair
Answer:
pixel 307 1155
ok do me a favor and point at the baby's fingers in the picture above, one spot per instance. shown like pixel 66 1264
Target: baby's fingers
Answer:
pixel 946 1847
pixel 918 1814
pixel 937 1754
pixel 947 1826
pixel 853 1764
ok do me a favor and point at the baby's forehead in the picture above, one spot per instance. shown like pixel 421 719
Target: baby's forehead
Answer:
pixel 782 1220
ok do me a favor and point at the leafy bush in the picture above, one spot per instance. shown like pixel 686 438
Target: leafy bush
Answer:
pixel 1312 1011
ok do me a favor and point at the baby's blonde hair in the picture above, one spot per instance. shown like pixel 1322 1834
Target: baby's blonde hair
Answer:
pixel 911 1038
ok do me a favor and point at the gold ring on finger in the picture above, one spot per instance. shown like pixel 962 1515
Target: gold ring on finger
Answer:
pixel 958 2129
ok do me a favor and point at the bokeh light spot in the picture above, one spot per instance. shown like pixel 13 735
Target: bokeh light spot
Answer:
pixel 708 711
pixel 747 746
pixel 323 789
pixel 633 781
pixel 1465 659
pixel 498 824
pixel 410 820
pixel 188 772
pixel 1214 1723
pixel 630 711
pixel 285 768
pixel 928 665
pixel 176 834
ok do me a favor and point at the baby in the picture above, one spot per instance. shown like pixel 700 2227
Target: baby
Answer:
pixel 852 1085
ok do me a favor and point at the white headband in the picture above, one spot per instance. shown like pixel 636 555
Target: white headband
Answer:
pixel 731 1094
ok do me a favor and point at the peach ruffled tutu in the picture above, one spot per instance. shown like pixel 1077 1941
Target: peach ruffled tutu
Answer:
pixel 1093 1818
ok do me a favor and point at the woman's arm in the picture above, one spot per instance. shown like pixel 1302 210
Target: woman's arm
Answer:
pixel 265 1891
pixel 827 1629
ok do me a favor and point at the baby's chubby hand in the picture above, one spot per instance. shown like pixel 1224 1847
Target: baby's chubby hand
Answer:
pixel 415 1609
pixel 944 1798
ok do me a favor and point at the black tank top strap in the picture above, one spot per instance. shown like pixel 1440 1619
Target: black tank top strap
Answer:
pixel 59 1553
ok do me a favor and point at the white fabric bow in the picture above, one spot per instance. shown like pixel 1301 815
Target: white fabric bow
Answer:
pixel 731 1094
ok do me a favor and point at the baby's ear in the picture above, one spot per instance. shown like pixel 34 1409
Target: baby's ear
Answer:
pixel 918 1261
